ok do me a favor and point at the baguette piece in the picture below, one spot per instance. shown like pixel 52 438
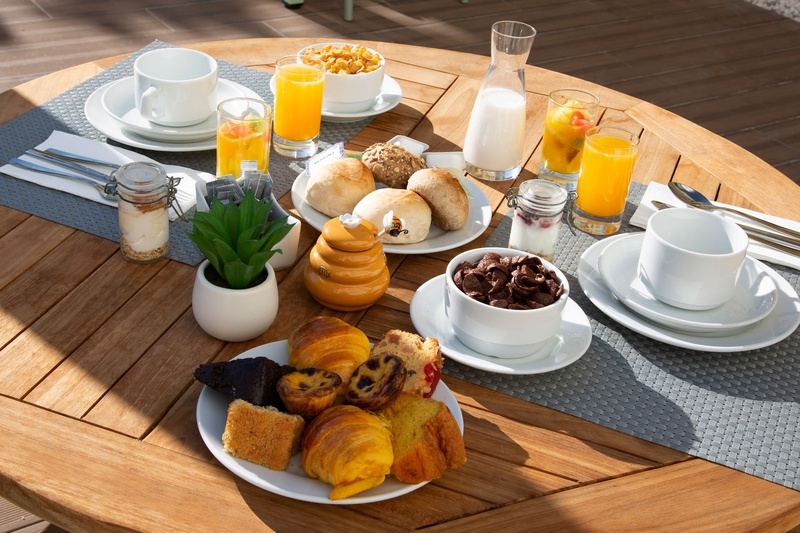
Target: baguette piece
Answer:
pixel 262 435
pixel 426 439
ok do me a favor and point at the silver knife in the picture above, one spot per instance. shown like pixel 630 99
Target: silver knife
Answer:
pixel 75 167
pixel 107 191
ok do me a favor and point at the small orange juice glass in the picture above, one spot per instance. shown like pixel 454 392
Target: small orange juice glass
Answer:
pixel 609 156
pixel 299 86
pixel 243 135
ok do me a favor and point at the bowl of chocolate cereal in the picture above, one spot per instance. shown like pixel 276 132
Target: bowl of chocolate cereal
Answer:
pixel 353 78
pixel 504 303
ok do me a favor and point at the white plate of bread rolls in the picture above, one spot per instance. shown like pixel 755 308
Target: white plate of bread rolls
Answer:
pixel 441 208
pixel 293 482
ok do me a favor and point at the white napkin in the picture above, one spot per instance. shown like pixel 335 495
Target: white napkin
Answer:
pixel 660 192
pixel 86 147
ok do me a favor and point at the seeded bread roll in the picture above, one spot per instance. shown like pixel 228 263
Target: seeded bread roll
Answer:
pixel 391 164
pixel 336 187
pixel 445 196
pixel 407 205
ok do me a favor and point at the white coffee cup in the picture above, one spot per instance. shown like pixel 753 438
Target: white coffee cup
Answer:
pixel 175 86
pixel 691 259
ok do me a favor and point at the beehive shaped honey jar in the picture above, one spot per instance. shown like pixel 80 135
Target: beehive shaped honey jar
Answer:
pixel 347 267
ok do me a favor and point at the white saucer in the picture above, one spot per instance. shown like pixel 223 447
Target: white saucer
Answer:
pixel 773 328
pixel 389 97
pixel 118 131
pixel 118 101
pixel 755 296
pixel 566 347
pixel 438 240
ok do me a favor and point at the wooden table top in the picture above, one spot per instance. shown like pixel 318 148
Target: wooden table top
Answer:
pixel 97 354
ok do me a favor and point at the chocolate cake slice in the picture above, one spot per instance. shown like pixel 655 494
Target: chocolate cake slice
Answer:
pixel 252 380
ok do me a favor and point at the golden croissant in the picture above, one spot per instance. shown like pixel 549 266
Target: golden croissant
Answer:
pixel 348 448
pixel 328 343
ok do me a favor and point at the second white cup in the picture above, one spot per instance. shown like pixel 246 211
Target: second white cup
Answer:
pixel 691 259
pixel 175 86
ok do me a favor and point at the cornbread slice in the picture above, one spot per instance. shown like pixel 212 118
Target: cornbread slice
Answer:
pixel 426 439
pixel 262 435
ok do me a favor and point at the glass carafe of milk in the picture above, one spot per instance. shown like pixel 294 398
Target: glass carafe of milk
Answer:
pixel 495 139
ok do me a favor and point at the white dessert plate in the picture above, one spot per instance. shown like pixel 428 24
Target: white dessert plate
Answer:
pixel 566 347
pixel 480 214
pixel 119 103
pixel 776 326
pixel 212 412
pixel 755 297
pixel 111 128
pixel 391 94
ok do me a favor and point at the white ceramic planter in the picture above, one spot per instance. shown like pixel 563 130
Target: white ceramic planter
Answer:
pixel 234 315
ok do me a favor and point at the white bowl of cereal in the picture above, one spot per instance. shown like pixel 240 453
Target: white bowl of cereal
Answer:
pixel 354 75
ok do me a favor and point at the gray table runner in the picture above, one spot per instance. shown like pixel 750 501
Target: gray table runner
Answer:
pixel 737 409
pixel 65 113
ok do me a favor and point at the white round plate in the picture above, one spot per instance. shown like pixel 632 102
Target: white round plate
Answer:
pixel 480 214
pixel 776 326
pixel 566 347
pixel 755 297
pixel 389 97
pixel 119 103
pixel 111 128
pixel 212 412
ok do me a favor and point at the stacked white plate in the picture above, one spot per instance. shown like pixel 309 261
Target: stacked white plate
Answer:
pixel 763 310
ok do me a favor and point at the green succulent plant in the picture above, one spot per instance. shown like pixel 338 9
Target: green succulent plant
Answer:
pixel 238 240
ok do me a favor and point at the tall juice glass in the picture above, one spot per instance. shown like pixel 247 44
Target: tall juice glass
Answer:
pixel 299 86
pixel 570 113
pixel 609 156
pixel 243 135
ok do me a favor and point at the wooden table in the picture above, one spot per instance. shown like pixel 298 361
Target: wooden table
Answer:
pixel 96 358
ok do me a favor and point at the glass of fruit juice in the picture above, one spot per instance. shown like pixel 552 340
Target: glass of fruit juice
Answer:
pixel 299 86
pixel 570 113
pixel 604 179
pixel 243 136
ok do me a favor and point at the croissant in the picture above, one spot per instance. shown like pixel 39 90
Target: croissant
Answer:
pixel 348 448
pixel 328 343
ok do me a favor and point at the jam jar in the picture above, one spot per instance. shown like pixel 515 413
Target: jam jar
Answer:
pixel 144 197
pixel 538 208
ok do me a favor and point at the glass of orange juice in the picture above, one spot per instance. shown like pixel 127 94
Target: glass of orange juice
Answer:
pixel 570 113
pixel 299 85
pixel 243 136
pixel 604 179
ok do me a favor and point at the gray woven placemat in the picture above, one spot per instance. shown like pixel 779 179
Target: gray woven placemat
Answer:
pixel 65 113
pixel 737 409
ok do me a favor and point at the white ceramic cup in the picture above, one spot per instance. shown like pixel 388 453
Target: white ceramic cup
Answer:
pixel 175 86
pixel 502 333
pixel 691 259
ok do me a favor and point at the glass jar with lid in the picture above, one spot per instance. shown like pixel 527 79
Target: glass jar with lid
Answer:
pixel 144 193
pixel 538 209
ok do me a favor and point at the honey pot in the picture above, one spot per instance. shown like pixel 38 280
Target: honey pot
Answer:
pixel 347 267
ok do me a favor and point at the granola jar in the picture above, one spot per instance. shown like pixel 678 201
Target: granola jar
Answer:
pixel 538 209
pixel 144 197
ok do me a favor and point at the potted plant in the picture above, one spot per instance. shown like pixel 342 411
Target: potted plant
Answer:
pixel 235 296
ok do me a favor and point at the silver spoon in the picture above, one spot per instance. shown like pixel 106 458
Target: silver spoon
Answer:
pixel 696 199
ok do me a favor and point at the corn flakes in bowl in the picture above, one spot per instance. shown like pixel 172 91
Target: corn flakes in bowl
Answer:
pixel 354 75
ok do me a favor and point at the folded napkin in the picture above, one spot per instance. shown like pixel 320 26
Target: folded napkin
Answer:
pixel 659 192
pixel 86 147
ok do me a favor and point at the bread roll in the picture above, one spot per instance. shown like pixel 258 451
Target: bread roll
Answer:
pixel 407 205
pixel 391 164
pixel 445 196
pixel 336 187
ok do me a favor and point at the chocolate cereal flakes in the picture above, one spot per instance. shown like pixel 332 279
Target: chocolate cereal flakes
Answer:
pixel 510 282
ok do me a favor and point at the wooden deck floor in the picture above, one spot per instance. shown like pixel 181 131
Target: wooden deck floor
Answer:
pixel 727 65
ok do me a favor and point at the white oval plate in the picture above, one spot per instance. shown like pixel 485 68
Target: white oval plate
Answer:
pixel 566 347
pixel 480 214
pixel 755 296
pixel 111 128
pixel 391 94
pixel 212 412
pixel 775 327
